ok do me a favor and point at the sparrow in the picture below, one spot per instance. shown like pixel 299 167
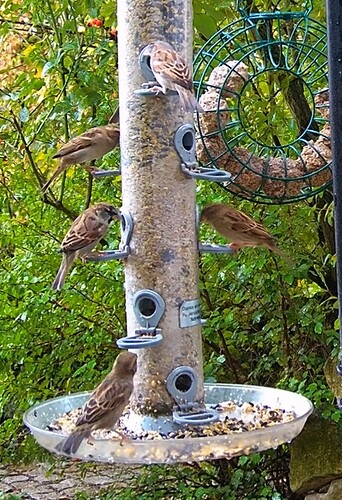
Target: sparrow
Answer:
pixel 238 227
pixel 91 145
pixel 106 404
pixel 172 72
pixel 84 234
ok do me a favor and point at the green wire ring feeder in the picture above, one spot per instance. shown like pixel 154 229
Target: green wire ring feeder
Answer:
pixel 263 83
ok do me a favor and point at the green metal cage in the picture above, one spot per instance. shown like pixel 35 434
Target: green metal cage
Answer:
pixel 263 84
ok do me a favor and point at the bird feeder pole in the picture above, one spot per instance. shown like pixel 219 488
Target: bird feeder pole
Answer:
pixel 161 201
pixel 334 21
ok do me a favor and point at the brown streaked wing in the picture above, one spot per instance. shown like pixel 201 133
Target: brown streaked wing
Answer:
pixel 74 145
pixel 83 232
pixel 244 224
pixel 260 232
pixel 239 221
pixel 171 65
pixel 108 396
pixel 94 410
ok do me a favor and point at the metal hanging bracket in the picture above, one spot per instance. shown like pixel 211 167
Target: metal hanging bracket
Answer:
pixel 185 145
pixel 243 8
pixel 144 63
pixel 98 174
pixel 148 307
pixel 209 247
pixel 181 384
pixel 124 248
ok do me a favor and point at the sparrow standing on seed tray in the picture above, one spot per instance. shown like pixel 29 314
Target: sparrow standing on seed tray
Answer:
pixel 172 72
pixel 239 228
pixel 85 233
pixel 106 404
pixel 91 145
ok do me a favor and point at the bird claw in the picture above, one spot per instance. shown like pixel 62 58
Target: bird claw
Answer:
pixel 234 246
pixel 84 257
pixel 148 85
pixel 156 89
pixel 91 169
pixel 122 438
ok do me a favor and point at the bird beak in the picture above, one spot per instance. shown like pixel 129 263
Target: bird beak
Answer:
pixel 115 214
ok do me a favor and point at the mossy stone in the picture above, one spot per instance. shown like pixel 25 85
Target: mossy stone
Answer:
pixel 316 455
pixel 334 380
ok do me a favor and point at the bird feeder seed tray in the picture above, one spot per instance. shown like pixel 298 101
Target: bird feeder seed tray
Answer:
pixel 161 440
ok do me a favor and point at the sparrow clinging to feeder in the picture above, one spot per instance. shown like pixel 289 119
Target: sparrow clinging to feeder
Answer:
pixel 91 145
pixel 106 404
pixel 84 234
pixel 239 228
pixel 172 72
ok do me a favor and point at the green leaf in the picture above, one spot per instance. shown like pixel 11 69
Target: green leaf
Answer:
pixel 205 25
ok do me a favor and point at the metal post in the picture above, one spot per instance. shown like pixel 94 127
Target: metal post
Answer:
pixel 160 198
pixel 334 19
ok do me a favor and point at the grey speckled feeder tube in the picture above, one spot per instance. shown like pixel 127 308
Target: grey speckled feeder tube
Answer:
pixel 160 198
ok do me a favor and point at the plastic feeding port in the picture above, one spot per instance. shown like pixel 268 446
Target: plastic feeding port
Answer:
pixel 185 146
pixel 149 308
pixel 181 384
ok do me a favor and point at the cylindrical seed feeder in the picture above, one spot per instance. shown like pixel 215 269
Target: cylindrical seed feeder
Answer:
pixel 161 200
pixel 161 285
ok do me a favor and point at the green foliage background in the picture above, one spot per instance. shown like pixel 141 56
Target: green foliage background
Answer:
pixel 268 324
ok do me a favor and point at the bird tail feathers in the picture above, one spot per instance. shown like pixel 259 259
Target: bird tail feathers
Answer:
pixel 54 176
pixel 188 101
pixel 279 252
pixel 63 270
pixel 73 442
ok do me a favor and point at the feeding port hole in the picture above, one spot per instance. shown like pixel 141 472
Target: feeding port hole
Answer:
pixel 147 307
pixel 188 140
pixel 183 383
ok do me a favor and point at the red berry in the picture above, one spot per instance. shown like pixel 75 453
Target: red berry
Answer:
pixel 94 23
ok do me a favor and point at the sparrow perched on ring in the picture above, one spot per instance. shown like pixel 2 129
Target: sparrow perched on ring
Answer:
pixel 91 145
pixel 106 404
pixel 172 72
pixel 84 234
pixel 239 228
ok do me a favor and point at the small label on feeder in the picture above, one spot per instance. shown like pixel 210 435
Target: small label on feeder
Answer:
pixel 190 313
